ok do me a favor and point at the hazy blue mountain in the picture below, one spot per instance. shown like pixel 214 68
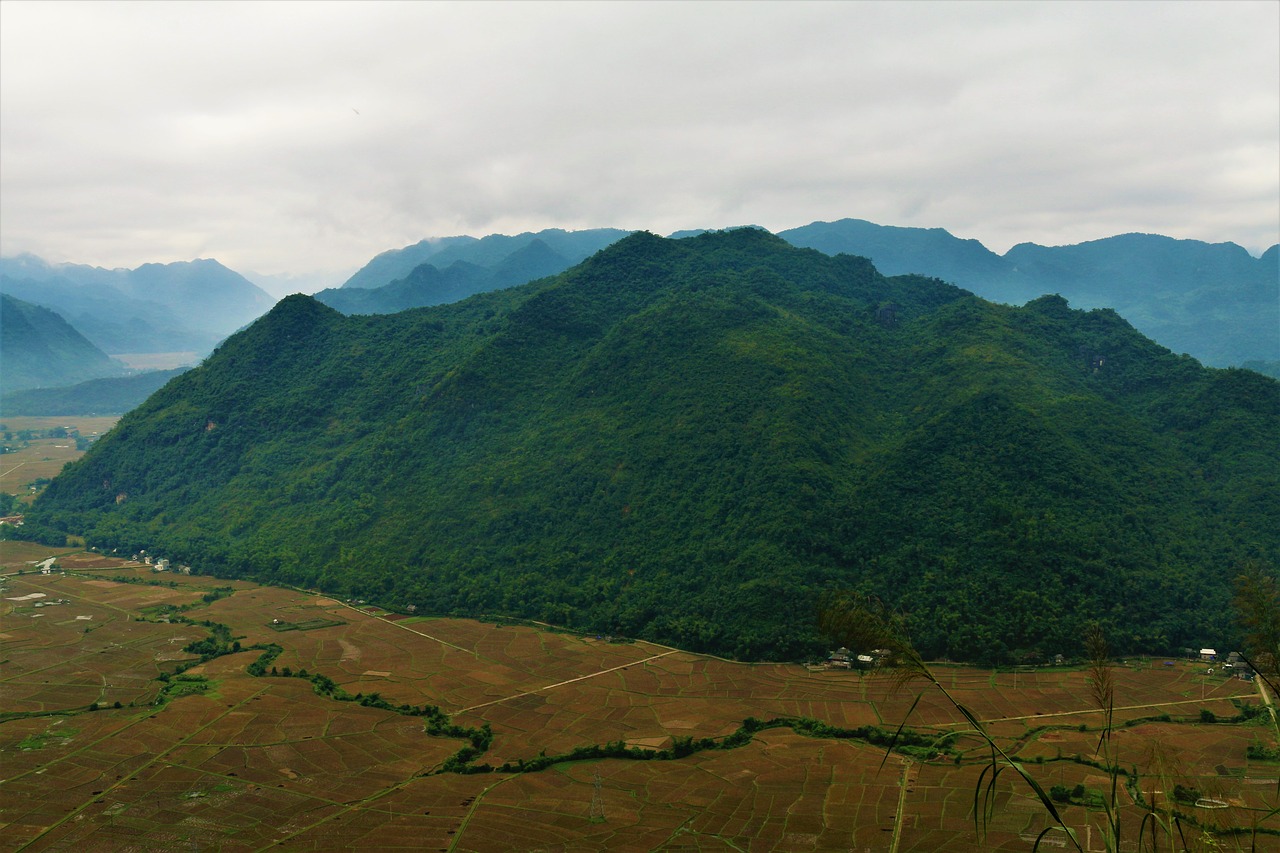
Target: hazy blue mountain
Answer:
pixel 395 264
pixel 1213 301
pixel 464 267
pixel 111 396
pixel 488 252
pixel 897 251
pixel 188 305
pixel 532 261
pixel 1266 368
pixel 39 349
pixel 689 440
pixel 424 285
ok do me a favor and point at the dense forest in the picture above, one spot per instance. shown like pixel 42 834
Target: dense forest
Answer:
pixel 690 440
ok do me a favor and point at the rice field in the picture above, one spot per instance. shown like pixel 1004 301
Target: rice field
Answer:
pixel 104 745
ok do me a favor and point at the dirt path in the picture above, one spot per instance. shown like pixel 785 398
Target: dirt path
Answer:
pixel 903 784
pixel 1087 711
pixel 397 624
pixel 563 683
pixel 1261 684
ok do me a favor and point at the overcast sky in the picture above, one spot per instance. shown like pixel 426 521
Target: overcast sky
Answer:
pixel 300 136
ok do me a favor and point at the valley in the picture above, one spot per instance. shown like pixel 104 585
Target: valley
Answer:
pixel 369 728
pixel 34 454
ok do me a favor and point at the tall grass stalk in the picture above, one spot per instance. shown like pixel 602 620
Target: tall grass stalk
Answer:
pixel 864 624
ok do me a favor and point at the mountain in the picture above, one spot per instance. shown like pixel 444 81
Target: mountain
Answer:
pixel 40 349
pixel 689 440
pixel 111 396
pixel 428 285
pixel 155 308
pixel 425 285
pixel 896 251
pixel 1213 301
pixel 489 252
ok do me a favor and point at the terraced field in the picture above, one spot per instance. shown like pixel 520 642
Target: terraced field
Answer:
pixel 116 735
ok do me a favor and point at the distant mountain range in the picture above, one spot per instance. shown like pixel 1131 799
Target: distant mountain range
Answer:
pixel 183 306
pixel 570 247
pixel 39 349
pixel 690 440
pixel 1213 301
pixel 433 272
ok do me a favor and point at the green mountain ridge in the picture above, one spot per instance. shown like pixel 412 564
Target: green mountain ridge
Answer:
pixel 38 349
pixel 689 440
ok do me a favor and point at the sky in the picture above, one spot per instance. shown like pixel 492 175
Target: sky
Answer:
pixel 306 137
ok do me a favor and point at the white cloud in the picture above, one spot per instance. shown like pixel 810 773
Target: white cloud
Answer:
pixel 301 136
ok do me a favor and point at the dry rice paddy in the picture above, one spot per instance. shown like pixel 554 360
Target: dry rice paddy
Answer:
pixel 255 763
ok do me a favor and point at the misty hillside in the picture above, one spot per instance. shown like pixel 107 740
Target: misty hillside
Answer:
pixel 155 308
pixel 1213 301
pixel 491 252
pixel 428 285
pixel 688 440
pixel 39 349
pixel 109 396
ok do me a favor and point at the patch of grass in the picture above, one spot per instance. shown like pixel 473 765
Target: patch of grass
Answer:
pixel 307 625
pixel 40 741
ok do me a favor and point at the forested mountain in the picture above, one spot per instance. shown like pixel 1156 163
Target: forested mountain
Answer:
pixel 155 308
pixel 39 349
pixel 110 396
pixel 490 253
pixel 1211 300
pixel 688 440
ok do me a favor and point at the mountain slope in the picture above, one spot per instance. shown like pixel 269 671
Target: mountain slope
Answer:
pixel 688 440
pixel 1213 301
pixel 155 308
pixel 39 349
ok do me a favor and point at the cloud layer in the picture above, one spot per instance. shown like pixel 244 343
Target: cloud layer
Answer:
pixel 293 137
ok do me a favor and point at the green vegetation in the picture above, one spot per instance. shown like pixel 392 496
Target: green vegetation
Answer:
pixel 181 685
pixel 56 734
pixel 691 440
pixel 307 625
pixel 108 396
pixel 40 348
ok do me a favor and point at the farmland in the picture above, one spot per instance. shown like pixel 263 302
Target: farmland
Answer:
pixel 42 456
pixel 133 720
